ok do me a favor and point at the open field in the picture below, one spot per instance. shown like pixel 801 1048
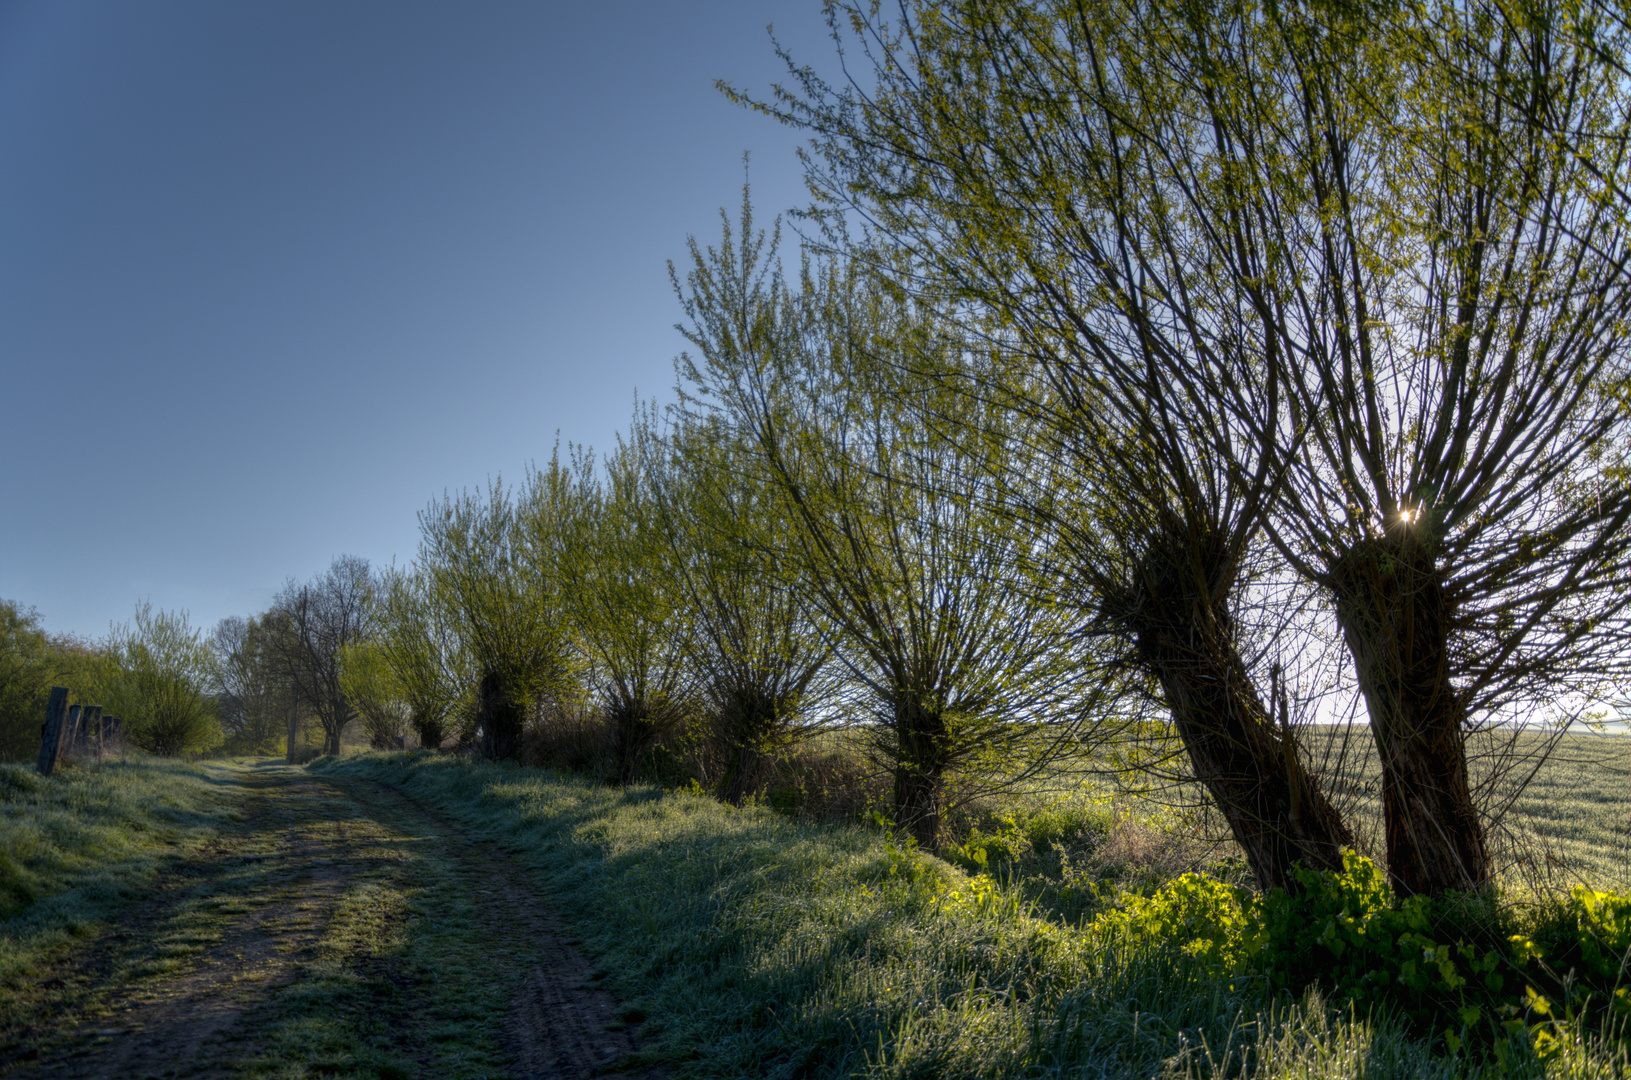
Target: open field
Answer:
pixel 416 915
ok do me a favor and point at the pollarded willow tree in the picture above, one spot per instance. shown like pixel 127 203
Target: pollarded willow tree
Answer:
pixel 629 611
pixel 495 565
pixel 892 538
pixel 1048 203
pixel 1456 340
pixel 376 695
pixel 755 649
pixel 1353 275
pixel 417 635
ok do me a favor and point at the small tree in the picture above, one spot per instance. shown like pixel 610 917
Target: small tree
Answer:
pixel 375 694
pixel 756 652
pixel 252 686
pixel 322 617
pixel 417 639
pixel 160 681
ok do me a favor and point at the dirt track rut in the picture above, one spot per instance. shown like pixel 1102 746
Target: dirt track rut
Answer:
pixel 341 929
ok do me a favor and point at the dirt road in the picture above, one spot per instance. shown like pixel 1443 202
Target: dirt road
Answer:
pixel 339 930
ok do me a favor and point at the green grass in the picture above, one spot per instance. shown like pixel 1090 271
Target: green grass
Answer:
pixel 761 947
pixel 743 942
pixel 76 847
pixel 348 928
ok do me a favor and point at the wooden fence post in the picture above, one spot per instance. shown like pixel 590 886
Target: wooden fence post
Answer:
pixel 294 717
pixel 70 728
pixel 90 728
pixel 56 711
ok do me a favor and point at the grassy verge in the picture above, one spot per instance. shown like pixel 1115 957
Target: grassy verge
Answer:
pixel 244 920
pixel 759 947
pixel 78 845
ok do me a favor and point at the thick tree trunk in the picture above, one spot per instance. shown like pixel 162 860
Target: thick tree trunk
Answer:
pixel 920 770
pixel 1395 619
pixel 1185 637
pixel 429 730
pixel 640 725
pixel 748 719
pixel 1277 814
pixel 633 737
pixel 754 725
pixel 500 718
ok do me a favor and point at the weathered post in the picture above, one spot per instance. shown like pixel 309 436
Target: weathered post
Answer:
pixel 90 727
pixel 294 716
pixel 70 728
pixel 56 711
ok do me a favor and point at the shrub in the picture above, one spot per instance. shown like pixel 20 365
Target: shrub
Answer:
pixel 1208 919
pixel 1441 964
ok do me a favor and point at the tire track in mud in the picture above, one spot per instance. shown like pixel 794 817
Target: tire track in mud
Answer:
pixel 561 1026
pixel 195 978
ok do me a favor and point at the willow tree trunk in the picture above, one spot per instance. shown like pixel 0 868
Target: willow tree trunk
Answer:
pixel 920 769
pixel 634 735
pixel 749 718
pixel 500 718
pixel 1395 619
pixel 1185 637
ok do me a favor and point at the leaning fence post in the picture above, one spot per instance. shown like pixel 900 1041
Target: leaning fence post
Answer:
pixel 51 734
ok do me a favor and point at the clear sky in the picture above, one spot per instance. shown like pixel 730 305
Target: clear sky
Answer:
pixel 272 275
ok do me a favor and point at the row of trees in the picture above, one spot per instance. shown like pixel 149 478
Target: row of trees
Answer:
pixel 154 670
pixel 1333 293
pixel 179 690
pixel 1157 361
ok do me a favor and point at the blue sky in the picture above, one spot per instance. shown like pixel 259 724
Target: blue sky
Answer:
pixel 272 275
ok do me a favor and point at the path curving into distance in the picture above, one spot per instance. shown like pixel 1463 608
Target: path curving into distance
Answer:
pixel 340 929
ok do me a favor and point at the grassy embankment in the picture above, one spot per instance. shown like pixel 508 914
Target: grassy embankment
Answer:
pixel 760 947
pixel 77 847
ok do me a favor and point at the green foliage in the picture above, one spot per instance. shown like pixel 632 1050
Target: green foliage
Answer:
pixel 1199 915
pixel 159 682
pixel 374 691
pixel 24 681
pixel 1447 966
